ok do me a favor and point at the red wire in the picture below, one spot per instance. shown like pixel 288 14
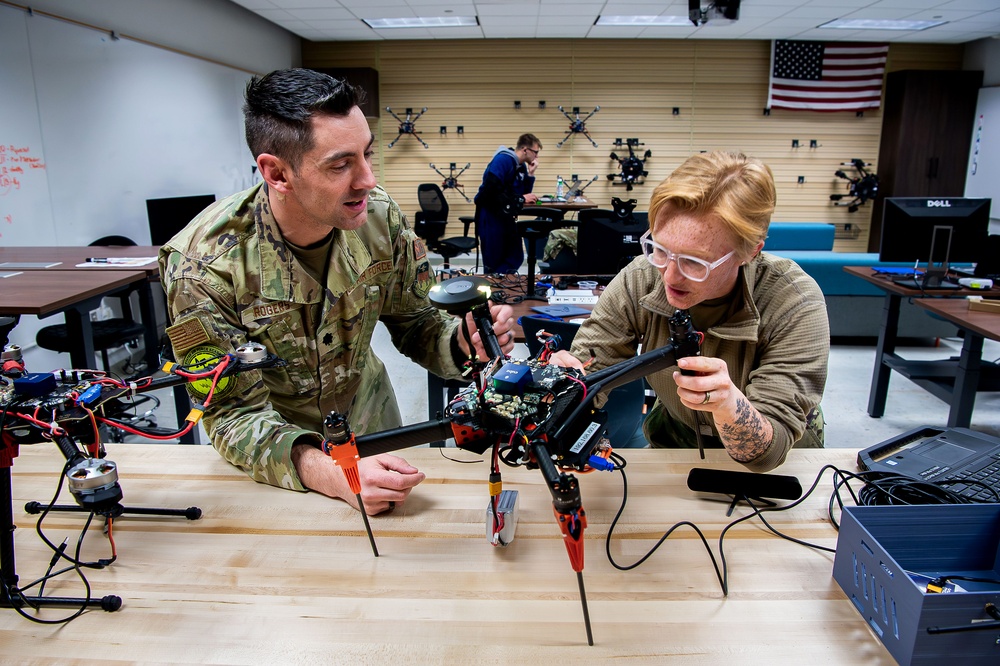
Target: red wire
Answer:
pixel 55 430
pixel 215 373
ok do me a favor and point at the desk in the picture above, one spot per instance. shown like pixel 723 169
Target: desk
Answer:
pixel 936 376
pixel 66 259
pixel 272 576
pixel 960 393
pixel 69 257
pixel 75 293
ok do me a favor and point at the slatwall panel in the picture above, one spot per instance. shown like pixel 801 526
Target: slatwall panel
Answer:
pixel 718 87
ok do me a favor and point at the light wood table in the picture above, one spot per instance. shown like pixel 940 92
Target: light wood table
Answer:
pixel 270 576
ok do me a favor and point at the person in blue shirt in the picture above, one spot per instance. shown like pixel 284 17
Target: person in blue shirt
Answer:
pixel 506 189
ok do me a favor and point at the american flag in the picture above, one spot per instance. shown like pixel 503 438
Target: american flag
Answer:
pixel 818 76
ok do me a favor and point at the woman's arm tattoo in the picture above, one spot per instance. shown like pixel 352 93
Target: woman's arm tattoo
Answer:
pixel 744 436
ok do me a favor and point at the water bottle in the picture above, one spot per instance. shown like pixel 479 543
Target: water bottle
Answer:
pixel 560 189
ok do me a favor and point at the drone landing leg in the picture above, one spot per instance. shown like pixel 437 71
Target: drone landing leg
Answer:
pixel 341 445
pixel 191 513
pixel 572 526
pixel 572 519
pixel 10 595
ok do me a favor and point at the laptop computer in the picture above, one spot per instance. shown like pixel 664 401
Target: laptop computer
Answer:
pixel 940 454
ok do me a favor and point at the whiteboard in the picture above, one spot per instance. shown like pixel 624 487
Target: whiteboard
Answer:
pixel 983 176
pixel 112 122
pixel 24 186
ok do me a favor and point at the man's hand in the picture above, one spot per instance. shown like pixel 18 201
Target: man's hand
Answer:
pixel 503 326
pixel 532 165
pixel 386 480
pixel 530 198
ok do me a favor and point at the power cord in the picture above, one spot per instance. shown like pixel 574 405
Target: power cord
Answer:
pixel 880 488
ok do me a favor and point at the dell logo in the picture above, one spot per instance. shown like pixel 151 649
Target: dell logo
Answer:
pixel 943 203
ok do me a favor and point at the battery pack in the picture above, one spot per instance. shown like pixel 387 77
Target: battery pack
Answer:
pixel 507 509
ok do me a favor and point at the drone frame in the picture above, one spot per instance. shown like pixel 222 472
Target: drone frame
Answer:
pixel 632 168
pixel 407 125
pixel 577 125
pixel 861 189
pixel 450 181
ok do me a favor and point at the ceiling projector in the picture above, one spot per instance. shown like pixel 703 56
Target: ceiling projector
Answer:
pixel 719 12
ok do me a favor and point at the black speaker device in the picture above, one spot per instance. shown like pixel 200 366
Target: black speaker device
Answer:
pixel 744 485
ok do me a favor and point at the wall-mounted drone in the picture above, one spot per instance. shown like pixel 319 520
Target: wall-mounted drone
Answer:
pixel 407 126
pixel 577 125
pixel 450 181
pixel 860 188
pixel 632 168
pixel 576 187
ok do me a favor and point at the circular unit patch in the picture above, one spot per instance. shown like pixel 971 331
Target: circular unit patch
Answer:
pixel 200 359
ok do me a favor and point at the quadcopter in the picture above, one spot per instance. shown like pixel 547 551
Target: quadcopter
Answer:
pixel 70 408
pixel 632 168
pixel 450 181
pixel 577 125
pixel 527 412
pixel 407 126
pixel 861 188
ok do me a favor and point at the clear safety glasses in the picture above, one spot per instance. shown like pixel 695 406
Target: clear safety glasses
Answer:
pixel 690 267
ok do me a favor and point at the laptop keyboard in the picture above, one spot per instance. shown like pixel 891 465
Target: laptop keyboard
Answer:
pixel 987 472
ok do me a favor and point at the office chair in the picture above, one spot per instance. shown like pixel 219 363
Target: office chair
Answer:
pixel 431 221
pixel 7 324
pixel 535 231
pixel 624 404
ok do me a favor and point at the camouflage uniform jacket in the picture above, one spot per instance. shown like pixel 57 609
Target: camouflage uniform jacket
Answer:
pixel 230 279
pixel 776 346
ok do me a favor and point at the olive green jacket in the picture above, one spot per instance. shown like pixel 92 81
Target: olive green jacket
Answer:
pixel 776 346
pixel 230 279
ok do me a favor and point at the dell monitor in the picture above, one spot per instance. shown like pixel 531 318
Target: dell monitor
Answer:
pixel 168 216
pixel 934 231
pixel 606 244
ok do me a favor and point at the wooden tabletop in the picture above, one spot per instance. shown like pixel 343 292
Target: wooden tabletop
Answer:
pixel 274 576
pixel 957 310
pixel 884 281
pixel 66 258
pixel 41 292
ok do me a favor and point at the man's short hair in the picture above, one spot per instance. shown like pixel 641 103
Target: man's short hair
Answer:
pixel 280 105
pixel 528 141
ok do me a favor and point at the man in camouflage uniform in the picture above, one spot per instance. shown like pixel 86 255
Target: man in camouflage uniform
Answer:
pixel 306 263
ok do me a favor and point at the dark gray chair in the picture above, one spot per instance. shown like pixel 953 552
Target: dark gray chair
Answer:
pixel 431 221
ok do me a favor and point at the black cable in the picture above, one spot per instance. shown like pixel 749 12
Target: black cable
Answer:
pixel 607 541
pixel 60 553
